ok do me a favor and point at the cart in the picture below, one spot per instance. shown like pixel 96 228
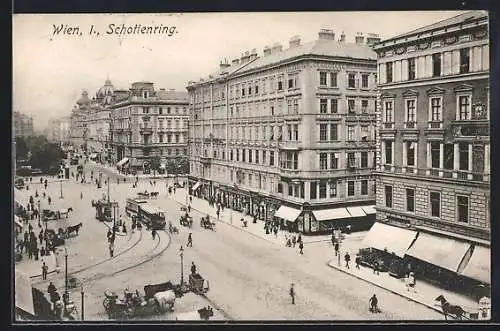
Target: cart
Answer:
pixel 196 284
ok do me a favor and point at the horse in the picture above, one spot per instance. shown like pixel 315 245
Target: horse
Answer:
pixel 449 309
pixel 73 228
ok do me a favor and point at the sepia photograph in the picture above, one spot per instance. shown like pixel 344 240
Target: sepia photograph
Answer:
pixel 251 167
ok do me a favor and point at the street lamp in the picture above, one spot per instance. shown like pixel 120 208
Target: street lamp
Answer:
pixel 83 304
pixel 61 196
pixel 182 264
pixel 66 295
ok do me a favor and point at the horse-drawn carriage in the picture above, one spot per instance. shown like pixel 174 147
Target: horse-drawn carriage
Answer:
pixel 186 220
pixel 207 224
pixel 54 239
pixel 134 305
pixel 69 231
pixel 197 283
pixel 57 214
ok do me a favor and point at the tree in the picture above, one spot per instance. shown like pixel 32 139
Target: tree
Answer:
pixel 46 155
pixel 155 163
pixel 22 148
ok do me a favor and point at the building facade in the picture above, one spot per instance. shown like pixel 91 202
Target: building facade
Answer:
pixel 148 124
pixel 290 134
pixel 23 125
pixel 433 164
pixel 78 121
pixel 59 130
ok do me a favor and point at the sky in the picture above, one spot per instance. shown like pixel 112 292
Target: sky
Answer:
pixel 51 70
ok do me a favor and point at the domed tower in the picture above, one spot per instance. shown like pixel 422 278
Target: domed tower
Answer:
pixel 105 94
pixel 84 100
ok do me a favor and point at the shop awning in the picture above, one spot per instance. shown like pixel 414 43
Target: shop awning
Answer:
pixel 356 211
pixel 479 266
pixel 122 161
pixel 24 293
pixel 195 186
pixel 369 210
pixel 441 251
pixel 331 214
pixel 391 238
pixel 18 221
pixel 287 213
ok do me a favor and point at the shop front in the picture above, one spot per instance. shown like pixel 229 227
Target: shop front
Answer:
pixel 287 218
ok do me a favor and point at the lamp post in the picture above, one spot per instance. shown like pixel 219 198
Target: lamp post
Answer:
pixel 83 304
pixel 61 195
pixel 182 264
pixel 108 189
pixel 66 295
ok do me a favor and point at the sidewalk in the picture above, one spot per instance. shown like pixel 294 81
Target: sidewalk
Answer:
pixel 116 172
pixel 423 293
pixel 33 268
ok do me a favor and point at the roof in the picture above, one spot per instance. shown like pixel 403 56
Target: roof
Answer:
pixel 468 16
pixel 321 47
pixel 172 95
pixel 151 209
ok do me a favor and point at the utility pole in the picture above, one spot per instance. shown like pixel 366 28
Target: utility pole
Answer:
pixel 83 302
pixel 182 264
pixel 108 189
pixel 61 196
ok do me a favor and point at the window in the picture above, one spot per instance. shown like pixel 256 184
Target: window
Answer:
pixel 351 104
pixel 256 88
pixel 322 106
pixel 464 107
pixel 334 132
pixel 411 68
pixel 350 133
pixel 289 104
pixel 388 72
pixel 272 109
pixel 462 209
pixel 295 129
pixel 249 89
pixel 333 79
pixel 250 153
pixel 364 106
pixel 410 153
pixel 244 155
pixel 410 113
pixel 464 156
pixel 271 158
pixel 388 196
pixel 436 109
pixel 243 90
pixel 322 132
pixel 257 152
pixel 237 155
pixel 364 159
pixel 160 111
pixel 168 110
pixel 364 187
pixel 313 190
pixel 290 82
pixel 264 157
pixel 333 188
pixel 322 78
pixel 334 106
pixel 388 112
pixel 364 81
pixel 350 188
pixel 448 156
pixel 176 138
pixel 351 160
pixel 160 137
pixel 464 60
pixel 231 155
pixel 169 137
pixel 436 64
pixel 365 133
pixel 435 150
pixel 351 80
pixel 322 189
pixel 435 204
pixel 388 151
pixel 290 189
pixel 295 106
pixel 410 200
pixel 334 161
pixel 323 161
pixel 280 83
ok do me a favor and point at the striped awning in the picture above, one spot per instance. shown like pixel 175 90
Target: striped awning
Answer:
pixel 356 211
pixel 479 266
pixel 331 214
pixel 287 213
pixel 389 238
pixel 122 161
pixel 195 186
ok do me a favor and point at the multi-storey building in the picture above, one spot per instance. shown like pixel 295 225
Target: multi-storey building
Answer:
pixel 290 134
pixel 433 175
pixel 59 130
pixel 23 125
pixel 78 119
pixel 149 123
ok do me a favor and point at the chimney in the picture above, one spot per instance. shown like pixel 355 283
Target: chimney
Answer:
pixel 235 61
pixel 372 39
pixel 223 64
pixel 359 38
pixel 277 47
pixel 245 57
pixel 326 34
pixel 294 41
pixel 253 55
pixel 342 37
pixel 267 50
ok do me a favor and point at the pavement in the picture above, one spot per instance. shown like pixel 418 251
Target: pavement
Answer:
pixel 115 171
pixel 425 293
pixel 33 268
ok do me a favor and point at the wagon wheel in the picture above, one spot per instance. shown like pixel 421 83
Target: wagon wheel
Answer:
pixel 107 304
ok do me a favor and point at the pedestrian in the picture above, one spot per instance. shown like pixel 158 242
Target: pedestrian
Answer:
pixel 189 208
pixel 153 232
pixel 376 267
pixel 49 200
pixel 36 250
pixel 150 183
pixel 347 258
pixel 51 288
pixel 174 189
pixel 191 199
pixel 336 248
pixel 292 293
pixel 373 303
pixel 44 271
pixel 81 195
pixel 276 231
pixel 190 240
pixel 357 260
pixel 31 178
pixel 193 268
pixel 301 247
pixel 44 194
pixel 40 236
pixel 218 213
pixel 36 193
pixel 294 240
pixel 30 228
pixel 154 182
pixel 41 180
pixel 111 249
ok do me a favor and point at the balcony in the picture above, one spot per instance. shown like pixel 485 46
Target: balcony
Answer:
pixel 206 160
pixel 459 175
pixel 146 129
pixel 290 145
pixel 435 124
pixel 411 125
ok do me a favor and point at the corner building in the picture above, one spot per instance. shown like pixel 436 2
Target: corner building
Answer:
pixel 146 124
pixel 289 135
pixel 433 169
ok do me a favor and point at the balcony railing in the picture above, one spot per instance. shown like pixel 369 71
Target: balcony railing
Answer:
pixel 410 125
pixel 435 124
pixel 437 172
pixel 388 125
